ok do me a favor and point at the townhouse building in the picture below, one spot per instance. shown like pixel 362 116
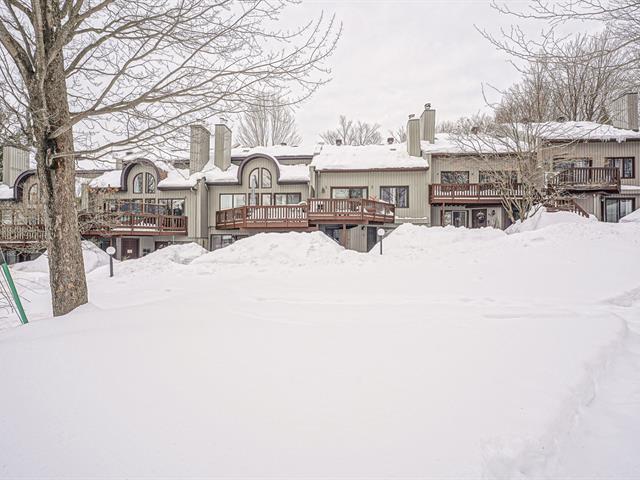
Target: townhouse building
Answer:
pixel 222 194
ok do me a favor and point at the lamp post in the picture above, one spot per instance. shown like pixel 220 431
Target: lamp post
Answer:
pixel 111 251
pixel 380 235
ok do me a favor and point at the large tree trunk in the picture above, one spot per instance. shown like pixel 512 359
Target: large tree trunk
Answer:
pixel 56 173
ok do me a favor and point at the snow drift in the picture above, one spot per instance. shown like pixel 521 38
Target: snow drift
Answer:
pixel 458 353
pixel 633 217
pixel 291 248
pixel 542 218
pixel 93 257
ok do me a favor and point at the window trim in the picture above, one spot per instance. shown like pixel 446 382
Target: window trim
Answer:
pixel 233 200
pixel 396 187
pixel 275 196
pixel 257 169
pixel 617 200
pixel 147 176
pixel 357 187
pixel 133 184
pixel 468 172
pixel 454 210
pixel 609 160
pixel 268 172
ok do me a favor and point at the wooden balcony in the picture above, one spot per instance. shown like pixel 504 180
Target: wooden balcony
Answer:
pixel 17 234
pixel 588 178
pixel 117 224
pixel 469 193
pixel 315 212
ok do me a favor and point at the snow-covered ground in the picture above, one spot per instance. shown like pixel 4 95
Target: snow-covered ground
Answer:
pixel 457 354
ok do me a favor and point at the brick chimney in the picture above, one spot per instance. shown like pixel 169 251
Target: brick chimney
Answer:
pixel 14 161
pixel 222 145
pixel 199 146
pixel 428 124
pixel 413 136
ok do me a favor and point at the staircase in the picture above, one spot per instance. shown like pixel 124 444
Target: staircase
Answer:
pixel 565 205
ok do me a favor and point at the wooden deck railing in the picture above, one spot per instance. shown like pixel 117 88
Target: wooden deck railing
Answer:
pixel 355 211
pixel 566 205
pixel 470 192
pixel 360 210
pixel 120 223
pixel 588 178
pixel 17 233
pixel 263 216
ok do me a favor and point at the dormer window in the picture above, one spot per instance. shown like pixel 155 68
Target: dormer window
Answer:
pixel 33 195
pixel 266 178
pixel 260 178
pixel 151 183
pixel 254 178
pixel 138 183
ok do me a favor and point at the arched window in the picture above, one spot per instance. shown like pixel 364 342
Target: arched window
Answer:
pixel 254 178
pixel 137 183
pixel 266 178
pixel 151 183
pixel 33 195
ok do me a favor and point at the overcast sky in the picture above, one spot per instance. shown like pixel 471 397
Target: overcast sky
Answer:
pixel 396 55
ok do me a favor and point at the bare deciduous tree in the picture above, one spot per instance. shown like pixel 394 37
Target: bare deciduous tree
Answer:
pixel 270 122
pixel 399 135
pixel 353 133
pixel 510 158
pixel 118 73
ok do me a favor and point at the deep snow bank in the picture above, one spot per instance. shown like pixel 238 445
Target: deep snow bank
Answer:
pixel 290 248
pixel 410 241
pixel 458 353
pixel 542 218
pixel 93 257
pixel 164 259
pixel 633 217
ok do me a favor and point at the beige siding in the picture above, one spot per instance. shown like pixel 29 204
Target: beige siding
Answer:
pixel 417 212
pixel 597 152
pixel 463 163
pixel 216 190
pixel 191 206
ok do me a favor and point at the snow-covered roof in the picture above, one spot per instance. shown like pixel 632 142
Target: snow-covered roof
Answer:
pixel 558 131
pixel 450 144
pixel 366 157
pixel 113 178
pixel 212 174
pixel 87 165
pixel 277 151
pixel 109 179
pixel 6 193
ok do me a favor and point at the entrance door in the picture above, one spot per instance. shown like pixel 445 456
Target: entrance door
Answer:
pixel 478 218
pixel 130 248
pixel 372 237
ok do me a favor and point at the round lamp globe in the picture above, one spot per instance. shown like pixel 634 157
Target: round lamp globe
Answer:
pixel 110 250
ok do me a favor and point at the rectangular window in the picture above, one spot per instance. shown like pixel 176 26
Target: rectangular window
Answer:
pixel 457 218
pixel 616 208
pixel 288 198
pixel 454 177
pixel 221 241
pixel 253 198
pixel 560 164
pixel 266 199
pixel 499 176
pixel 398 196
pixel 625 164
pixel 232 200
pixel 349 192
